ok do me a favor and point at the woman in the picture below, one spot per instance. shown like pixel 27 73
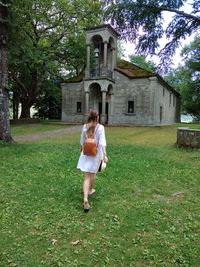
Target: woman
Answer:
pixel 90 164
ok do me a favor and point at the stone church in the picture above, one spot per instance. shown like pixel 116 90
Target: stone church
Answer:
pixel 123 93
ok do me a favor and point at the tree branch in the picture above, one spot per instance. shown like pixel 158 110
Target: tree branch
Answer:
pixel 19 83
pixel 164 8
pixel 59 38
pixel 3 4
pixel 48 28
pixel 182 13
pixel 31 37
pixel 34 25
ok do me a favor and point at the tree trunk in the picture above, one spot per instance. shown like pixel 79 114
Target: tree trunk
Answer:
pixel 25 112
pixel 4 111
pixel 28 93
pixel 15 105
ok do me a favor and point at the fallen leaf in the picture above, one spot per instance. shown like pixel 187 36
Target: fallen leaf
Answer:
pixel 178 194
pixel 74 243
pixel 54 241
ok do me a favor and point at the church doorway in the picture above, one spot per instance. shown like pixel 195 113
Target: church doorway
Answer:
pixel 95 96
pixel 161 114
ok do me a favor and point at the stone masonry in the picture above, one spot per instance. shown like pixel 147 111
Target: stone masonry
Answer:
pixel 188 137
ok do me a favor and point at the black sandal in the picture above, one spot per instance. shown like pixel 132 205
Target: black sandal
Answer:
pixel 86 206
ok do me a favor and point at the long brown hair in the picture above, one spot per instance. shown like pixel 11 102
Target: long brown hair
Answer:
pixel 92 121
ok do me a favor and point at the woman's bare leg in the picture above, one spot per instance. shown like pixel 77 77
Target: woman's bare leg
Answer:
pixel 86 188
pixel 92 179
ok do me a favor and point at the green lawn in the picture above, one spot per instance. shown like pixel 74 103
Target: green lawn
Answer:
pixel 145 211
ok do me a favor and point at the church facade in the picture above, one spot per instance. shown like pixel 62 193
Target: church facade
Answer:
pixel 123 93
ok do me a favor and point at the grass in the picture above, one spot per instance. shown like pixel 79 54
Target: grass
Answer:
pixel 145 212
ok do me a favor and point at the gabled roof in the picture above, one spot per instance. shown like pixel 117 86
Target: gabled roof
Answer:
pixel 133 71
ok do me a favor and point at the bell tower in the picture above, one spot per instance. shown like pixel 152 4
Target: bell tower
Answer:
pixel 101 42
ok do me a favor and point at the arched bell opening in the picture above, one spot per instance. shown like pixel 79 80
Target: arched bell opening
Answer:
pixel 101 44
pixel 96 56
pixel 111 57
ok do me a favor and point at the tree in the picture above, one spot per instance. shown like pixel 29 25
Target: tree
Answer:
pixel 43 34
pixel 48 104
pixel 4 113
pixel 187 78
pixel 143 62
pixel 191 94
pixel 144 19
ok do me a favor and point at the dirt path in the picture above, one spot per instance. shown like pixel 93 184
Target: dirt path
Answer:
pixel 40 135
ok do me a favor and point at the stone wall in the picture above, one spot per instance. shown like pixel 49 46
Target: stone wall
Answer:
pixel 136 90
pixel 188 137
pixel 71 94
pixel 165 104
pixel 150 98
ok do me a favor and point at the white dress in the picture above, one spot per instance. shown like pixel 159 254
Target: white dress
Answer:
pixel 89 163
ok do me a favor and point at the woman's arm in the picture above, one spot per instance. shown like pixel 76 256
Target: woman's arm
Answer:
pixel 102 142
pixel 82 139
pixel 105 158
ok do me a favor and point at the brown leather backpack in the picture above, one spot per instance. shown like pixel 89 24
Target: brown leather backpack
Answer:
pixel 90 146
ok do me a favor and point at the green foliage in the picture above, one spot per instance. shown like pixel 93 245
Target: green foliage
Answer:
pixel 187 78
pixel 45 29
pixel 120 50
pixel 191 54
pixel 142 62
pixel 145 211
pixel 145 20
pixel 47 39
pixel 49 102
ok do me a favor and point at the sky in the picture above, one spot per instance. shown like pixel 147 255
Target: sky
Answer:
pixel 129 48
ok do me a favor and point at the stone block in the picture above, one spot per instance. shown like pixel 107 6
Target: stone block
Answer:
pixel 188 137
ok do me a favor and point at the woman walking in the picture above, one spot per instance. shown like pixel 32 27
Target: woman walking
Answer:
pixel 90 164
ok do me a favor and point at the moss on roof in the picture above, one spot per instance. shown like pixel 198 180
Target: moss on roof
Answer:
pixel 76 79
pixel 131 70
pixel 127 68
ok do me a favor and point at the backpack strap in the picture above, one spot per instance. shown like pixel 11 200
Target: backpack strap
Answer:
pixel 96 129
pixel 95 133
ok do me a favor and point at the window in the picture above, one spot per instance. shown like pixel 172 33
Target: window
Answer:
pixel 163 91
pixel 130 106
pixel 173 100
pixel 78 107
pixel 161 113
pixel 170 99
